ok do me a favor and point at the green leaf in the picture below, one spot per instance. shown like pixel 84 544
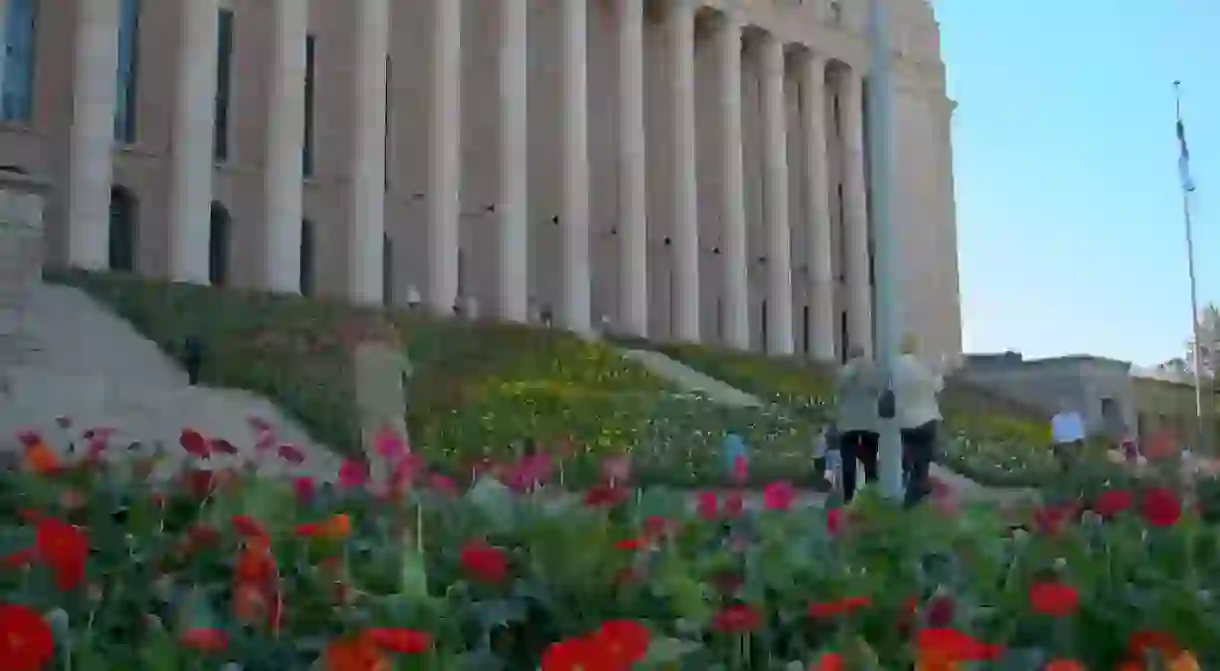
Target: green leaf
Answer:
pixel 668 650
pixel 160 654
pixel 414 574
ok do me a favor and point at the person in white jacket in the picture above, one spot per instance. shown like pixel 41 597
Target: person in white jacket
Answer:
pixel 857 390
pixel 916 389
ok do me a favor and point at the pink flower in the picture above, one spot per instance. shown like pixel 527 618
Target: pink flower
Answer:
pixel 408 466
pixel 733 504
pixel 530 472
pixel 741 469
pixel 779 495
pixel 292 454
pixel 265 441
pixel 617 469
pixel 389 444
pixel 707 505
pixel 352 474
pixel 442 483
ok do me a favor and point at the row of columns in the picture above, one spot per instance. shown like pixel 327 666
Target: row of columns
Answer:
pixel 191 165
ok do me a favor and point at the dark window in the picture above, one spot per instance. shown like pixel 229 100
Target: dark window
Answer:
pixel 808 332
pixel 128 73
pixel 844 340
pixel 838 117
pixel 19 36
pixel 389 114
pixel 224 84
pixel 307 145
pixel 307 257
pixel 218 246
pixel 122 233
pixel 762 320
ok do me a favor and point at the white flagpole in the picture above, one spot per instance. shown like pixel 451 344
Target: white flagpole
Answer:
pixel 1187 189
pixel 880 154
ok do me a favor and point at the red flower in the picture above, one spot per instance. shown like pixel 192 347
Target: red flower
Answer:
pixel 779 496
pixel 1053 598
pixel 831 661
pixel 63 548
pixel 1140 643
pixel 304 488
pixel 26 643
pixel 737 619
pixel 442 483
pixel 733 505
pixel 1161 507
pixel 1050 520
pixel 576 654
pixel 605 496
pixel 1112 502
pixel 624 641
pixel 940 611
pixel 842 606
pixel 248 527
pixel 19 559
pixel 834 521
pixel 951 645
pixel 292 454
pixel 631 544
pixel 707 506
pixel 204 639
pixel 195 444
pixel 199 482
pixel 352 474
pixel 656 526
pixel 484 563
pixel 222 446
pixel 400 640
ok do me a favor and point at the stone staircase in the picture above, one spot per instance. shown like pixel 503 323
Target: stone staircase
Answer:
pixel 91 366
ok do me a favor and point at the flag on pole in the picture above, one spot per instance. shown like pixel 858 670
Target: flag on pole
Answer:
pixel 1188 184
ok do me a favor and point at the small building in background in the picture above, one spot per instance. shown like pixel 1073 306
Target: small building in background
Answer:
pixel 1100 389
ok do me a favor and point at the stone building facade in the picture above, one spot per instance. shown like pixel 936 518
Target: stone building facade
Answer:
pixel 679 169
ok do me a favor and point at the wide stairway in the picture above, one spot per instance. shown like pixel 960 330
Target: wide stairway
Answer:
pixel 79 361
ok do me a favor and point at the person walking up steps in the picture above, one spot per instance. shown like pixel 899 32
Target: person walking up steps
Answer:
pixel 192 358
pixel 916 387
pixel 857 391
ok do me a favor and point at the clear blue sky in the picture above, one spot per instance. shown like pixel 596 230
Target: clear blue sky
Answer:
pixel 1065 159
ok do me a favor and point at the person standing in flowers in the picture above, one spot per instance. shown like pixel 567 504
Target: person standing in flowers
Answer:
pixel 916 389
pixel 857 391
pixel 1067 435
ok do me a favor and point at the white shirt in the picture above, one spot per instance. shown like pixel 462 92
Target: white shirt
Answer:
pixel 1067 427
pixel 915 390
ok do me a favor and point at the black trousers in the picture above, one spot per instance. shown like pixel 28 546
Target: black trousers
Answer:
pixel 192 369
pixel 861 445
pixel 918 453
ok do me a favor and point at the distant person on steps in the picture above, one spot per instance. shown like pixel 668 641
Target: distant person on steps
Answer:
pixel 916 387
pixel 857 391
pixel 192 357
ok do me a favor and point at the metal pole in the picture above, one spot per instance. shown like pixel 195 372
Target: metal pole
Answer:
pixel 880 154
pixel 1194 294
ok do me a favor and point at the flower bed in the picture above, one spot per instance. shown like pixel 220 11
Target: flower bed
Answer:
pixel 100 569
pixel 990 439
pixel 479 389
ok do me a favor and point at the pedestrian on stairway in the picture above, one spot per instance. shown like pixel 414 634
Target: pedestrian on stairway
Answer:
pixel 916 388
pixel 192 357
pixel 857 391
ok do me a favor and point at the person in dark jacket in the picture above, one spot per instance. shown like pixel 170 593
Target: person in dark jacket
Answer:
pixel 192 357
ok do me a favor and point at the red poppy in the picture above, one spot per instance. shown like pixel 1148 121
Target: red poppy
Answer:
pixel 199 483
pixel 442 483
pixel 632 544
pixel 255 564
pixel 248 527
pixel 834 521
pixel 737 619
pixel 734 503
pixel 400 640
pixel 204 639
pixel 1050 520
pixel 352 474
pixel 844 606
pixel 27 643
pixel 1140 643
pixel 1064 665
pixel 292 454
pixel 831 661
pixel 63 548
pixel 707 505
pixel 624 641
pixel 1112 502
pixel 942 643
pixel 19 559
pixel 605 496
pixel 1053 598
pixel 1161 507
pixel 576 654
pixel 779 496
pixel 484 563
pixel 656 526
pixel 195 444
pixel 304 489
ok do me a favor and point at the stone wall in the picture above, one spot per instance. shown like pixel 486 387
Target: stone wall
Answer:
pixel 21 253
